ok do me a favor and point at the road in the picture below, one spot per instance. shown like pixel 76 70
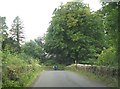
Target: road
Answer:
pixel 64 79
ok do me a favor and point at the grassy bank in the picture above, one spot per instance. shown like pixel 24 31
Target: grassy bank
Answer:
pixel 33 78
pixel 19 70
pixel 108 81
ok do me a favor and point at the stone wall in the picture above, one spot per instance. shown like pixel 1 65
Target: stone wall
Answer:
pixel 99 70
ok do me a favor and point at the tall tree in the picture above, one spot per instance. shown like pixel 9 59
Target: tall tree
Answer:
pixel 16 32
pixel 3 31
pixel 75 33
pixel 110 11
pixel 111 17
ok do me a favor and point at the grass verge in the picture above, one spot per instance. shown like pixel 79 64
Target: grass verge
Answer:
pixel 33 78
pixel 108 81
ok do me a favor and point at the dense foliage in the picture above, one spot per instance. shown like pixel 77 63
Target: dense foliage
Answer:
pixel 75 33
pixel 34 49
pixel 110 13
pixel 18 71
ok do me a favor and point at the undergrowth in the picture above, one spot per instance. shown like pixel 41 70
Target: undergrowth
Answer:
pixel 18 71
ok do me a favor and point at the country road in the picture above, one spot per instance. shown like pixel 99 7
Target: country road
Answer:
pixel 64 79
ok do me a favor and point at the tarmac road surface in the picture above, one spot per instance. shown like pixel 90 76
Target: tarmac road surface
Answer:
pixel 64 79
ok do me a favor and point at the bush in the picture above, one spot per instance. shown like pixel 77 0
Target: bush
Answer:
pixel 11 83
pixel 17 71
pixel 107 58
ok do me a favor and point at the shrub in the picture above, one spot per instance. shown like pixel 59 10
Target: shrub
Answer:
pixel 17 71
pixel 107 58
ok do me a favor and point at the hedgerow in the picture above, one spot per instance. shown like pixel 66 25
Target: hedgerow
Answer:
pixel 17 70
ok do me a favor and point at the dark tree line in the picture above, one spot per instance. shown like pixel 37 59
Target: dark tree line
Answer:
pixel 74 33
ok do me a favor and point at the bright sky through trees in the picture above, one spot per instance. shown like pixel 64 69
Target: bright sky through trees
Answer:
pixel 35 14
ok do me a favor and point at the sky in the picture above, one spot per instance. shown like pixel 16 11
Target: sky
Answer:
pixel 35 14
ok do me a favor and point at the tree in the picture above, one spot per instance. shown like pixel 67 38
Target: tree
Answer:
pixel 33 49
pixel 111 15
pixel 74 33
pixel 118 43
pixel 16 32
pixel 3 31
pixel 10 45
pixel 40 41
